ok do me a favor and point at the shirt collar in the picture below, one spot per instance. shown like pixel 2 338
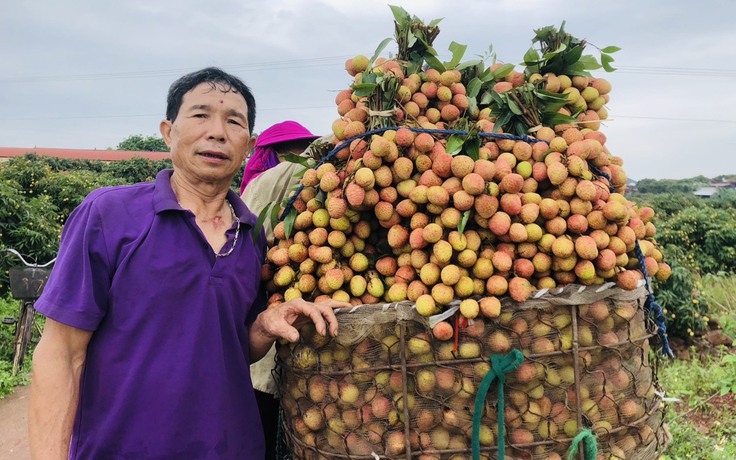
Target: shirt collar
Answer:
pixel 164 199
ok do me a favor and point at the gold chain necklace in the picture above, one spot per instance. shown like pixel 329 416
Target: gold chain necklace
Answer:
pixel 237 232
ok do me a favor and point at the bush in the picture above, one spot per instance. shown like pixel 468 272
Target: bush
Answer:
pixel 684 308
pixel 707 234
pixel 67 189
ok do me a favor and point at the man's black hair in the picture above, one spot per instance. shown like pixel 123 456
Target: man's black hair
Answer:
pixel 213 76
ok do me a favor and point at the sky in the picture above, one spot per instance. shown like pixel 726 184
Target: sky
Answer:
pixel 87 74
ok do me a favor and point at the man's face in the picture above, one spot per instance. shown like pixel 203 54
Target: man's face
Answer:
pixel 210 136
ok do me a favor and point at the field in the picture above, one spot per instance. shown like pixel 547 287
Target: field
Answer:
pixel 698 239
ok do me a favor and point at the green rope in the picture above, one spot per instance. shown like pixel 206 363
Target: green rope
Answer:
pixel 590 445
pixel 500 366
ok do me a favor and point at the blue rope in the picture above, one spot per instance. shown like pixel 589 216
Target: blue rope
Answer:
pixel 652 307
pixel 594 169
pixel 339 147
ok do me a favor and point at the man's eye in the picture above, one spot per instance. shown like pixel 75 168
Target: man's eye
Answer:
pixel 234 122
pixel 200 115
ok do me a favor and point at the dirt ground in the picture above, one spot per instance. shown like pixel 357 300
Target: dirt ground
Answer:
pixel 14 425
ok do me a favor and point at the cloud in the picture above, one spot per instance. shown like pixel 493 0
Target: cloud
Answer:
pixel 84 74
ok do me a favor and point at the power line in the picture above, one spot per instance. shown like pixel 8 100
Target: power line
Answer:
pixel 677 119
pixel 83 117
pixel 276 109
pixel 258 66
pixel 286 64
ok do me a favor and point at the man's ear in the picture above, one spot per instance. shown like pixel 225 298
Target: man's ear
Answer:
pixel 249 149
pixel 165 128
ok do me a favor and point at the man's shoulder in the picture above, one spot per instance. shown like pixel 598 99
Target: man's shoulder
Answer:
pixel 117 193
pixel 119 196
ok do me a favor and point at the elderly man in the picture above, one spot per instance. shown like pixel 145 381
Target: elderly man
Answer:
pixel 154 307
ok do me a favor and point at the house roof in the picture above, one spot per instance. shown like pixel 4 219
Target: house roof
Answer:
pixel 706 191
pixel 81 154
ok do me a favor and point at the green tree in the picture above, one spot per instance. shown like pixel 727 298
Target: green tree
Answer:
pixel 140 143
pixel 136 169
pixel 666 186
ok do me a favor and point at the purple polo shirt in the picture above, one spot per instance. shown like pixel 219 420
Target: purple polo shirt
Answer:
pixel 167 369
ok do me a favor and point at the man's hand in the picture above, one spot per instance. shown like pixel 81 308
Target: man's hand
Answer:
pixel 282 321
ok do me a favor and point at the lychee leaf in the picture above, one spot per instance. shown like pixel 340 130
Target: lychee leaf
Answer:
pixel 434 63
pixel 558 119
pixel 411 39
pixel 503 71
pixel 471 148
pixel 497 98
pixel 262 216
pixel 531 58
pixel 289 222
pixel 458 50
pixel 474 87
pixel 578 69
pixel 364 89
pixel 468 64
pixel 610 49
pixel 486 98
pixel 321 196
pixel 435 22
pixel 293 158
pixel 551 54
pixel 400 14
pixel 369 77
pixel 519 127
pixel 487 76
pixel 463 221
pixel 573 55
pixel 472 105
pixel 606 62
pixel 589 62
pixel 299 174
pixel 514 107
pixel 502 121
pixel 380 48
pixel 455 144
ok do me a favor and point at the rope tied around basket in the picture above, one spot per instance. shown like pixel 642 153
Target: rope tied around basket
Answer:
pixel 651 306
pixel 346 143
pixel 590 445
pixel 500 366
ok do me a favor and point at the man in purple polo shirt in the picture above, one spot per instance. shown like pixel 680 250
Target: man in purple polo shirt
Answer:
pixel 154 308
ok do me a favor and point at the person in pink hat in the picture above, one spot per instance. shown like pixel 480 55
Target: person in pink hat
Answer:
pixel 267 179
pixel 281 138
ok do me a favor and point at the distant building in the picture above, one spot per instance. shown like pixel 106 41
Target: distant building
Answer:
pixel 723 185
pixel 706 192
pixel 631 186
pixel 6 153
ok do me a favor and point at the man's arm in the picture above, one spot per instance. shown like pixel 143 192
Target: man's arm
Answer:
pixel 57 366
pixel 283 321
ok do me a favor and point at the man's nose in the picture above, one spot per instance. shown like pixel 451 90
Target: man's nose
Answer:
pixel 216 129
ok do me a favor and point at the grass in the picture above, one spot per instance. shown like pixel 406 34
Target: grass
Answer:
pixel 703 421
pixel 10 308
pixel 718 291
